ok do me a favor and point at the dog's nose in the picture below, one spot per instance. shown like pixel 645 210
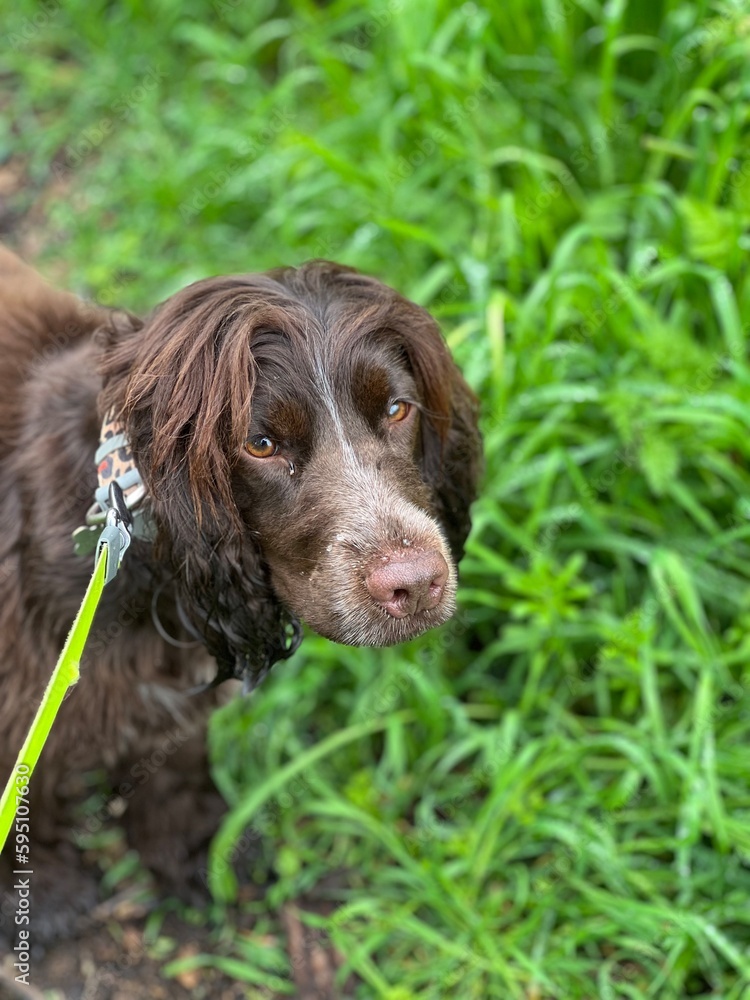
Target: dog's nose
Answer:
pixel 408 582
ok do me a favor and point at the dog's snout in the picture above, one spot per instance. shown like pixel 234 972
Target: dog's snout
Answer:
pixel 408 582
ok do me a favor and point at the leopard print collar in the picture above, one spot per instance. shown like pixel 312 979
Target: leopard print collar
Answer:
pixel 114 463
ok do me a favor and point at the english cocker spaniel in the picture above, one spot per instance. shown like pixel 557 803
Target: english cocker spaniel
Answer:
pixel 295 446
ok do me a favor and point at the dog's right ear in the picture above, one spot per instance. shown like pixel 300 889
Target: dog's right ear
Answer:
pixel 181 384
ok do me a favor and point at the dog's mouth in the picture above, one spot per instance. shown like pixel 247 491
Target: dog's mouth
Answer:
pixel 372 626
pixel 388 597
pixel 377 573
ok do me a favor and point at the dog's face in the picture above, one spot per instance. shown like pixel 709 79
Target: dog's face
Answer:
pixel 331 485
pixel 307 444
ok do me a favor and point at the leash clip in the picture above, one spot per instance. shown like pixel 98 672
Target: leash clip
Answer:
pixel 116 533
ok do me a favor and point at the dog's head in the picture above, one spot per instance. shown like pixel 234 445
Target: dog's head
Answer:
pixel 309 449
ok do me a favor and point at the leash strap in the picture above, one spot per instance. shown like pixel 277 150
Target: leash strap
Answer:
pixel 114 540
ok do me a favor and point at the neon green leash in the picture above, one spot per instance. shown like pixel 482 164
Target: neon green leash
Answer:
pixel 113 543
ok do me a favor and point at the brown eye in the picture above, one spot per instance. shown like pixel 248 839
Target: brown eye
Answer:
pixel 398 410
pixel 261 446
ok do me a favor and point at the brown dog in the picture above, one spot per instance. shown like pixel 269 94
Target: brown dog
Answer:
pixel 304 448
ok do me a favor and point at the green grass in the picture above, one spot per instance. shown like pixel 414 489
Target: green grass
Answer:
pixel 551 796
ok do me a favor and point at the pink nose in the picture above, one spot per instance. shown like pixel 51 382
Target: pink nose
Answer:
pixel 409 582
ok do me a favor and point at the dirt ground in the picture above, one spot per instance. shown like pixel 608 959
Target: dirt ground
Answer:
pixel 99 967
pixel 113 962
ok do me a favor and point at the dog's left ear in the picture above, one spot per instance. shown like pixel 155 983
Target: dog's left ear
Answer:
pixel 451 444
pixel 453 463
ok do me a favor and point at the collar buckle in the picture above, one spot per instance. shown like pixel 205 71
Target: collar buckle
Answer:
pixel 97 515
pixel 116 534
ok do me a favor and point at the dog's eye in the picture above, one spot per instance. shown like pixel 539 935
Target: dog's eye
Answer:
pixel 398 410
pixel 261 446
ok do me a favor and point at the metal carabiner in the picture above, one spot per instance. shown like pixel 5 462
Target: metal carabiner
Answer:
pixel 116 533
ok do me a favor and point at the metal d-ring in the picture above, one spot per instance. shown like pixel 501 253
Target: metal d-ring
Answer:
pixel 117 539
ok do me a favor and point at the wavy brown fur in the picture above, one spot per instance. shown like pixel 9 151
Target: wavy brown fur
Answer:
pixel 312 357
